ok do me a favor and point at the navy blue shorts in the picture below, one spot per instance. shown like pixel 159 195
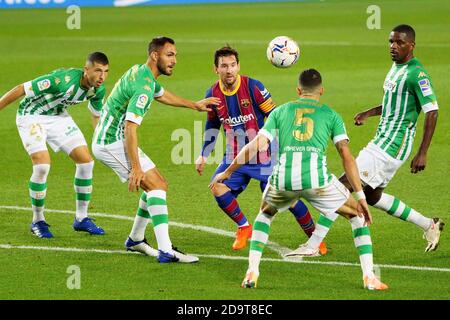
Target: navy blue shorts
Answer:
pixel 240 179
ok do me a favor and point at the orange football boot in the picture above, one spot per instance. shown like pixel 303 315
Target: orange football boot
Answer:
pixel 323 249
pixel 242 235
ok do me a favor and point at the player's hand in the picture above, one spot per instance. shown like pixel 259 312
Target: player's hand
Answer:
pixel 135 178
pixel 200 164
pixel 203 105
pixel 363 211
pixel 418 163
pixel 359 118
pixel 221 177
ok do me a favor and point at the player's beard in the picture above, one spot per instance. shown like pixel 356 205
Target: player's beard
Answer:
pixel 163 69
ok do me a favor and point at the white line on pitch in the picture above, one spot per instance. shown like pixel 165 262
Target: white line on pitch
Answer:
pixel 271 245
pixel 223 257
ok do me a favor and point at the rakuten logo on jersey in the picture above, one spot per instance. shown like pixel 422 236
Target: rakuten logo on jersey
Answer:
pixel 235 121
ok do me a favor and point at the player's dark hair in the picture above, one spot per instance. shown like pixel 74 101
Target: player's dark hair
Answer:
pixel 408 30
pixel 97 57
pixel 225 52
pixel 310 79
pixel 159 42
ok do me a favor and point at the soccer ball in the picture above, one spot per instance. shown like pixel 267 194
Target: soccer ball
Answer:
pixel 283 52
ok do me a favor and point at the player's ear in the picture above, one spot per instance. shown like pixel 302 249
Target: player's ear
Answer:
pixel 299 91
pixel 154 55
pixel 215 69
pixel 322 91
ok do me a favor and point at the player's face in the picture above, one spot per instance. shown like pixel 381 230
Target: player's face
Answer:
pixel 400 47
pixel 228 70
pixel 96 74
pixel 166 59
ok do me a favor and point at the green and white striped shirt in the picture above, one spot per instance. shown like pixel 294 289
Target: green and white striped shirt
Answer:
pixel 407 91
pixel 129 100
pixel 53 93
pixel 304 128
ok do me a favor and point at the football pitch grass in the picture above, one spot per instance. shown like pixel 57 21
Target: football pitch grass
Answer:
pixel 334 39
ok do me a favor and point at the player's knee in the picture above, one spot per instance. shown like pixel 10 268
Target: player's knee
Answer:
pixel 40 171
pixel 372 196
pixel 219 189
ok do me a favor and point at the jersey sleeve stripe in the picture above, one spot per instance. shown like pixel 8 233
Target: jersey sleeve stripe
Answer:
pixel 267 106
pixel 340 137
pixel 92 110
pixel 28 87
pixel 266 134
pixel 133 118
pixel 430 106
pixel 160 93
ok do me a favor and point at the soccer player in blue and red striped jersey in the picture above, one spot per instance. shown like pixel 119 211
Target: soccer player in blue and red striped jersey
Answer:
pixel 245 103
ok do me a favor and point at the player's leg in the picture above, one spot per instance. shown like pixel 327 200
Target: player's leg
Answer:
pixel 226 197
pixel 336 198
pixel 432 227
pixel 114 156
pixel 273 201
pixel 38 192
pixel 33 134
pixel 83 189
pixel 156 187
pixel 64 134
pixel 376 171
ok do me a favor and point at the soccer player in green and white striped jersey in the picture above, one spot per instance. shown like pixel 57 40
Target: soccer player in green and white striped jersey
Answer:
pixel 303 128
pixel 408 90
pixel 115 143
pixel 42 118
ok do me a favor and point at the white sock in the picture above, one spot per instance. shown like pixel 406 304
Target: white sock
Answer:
pixel 260 237
pixel 157 208
pixel 363 242
pixel 38 190
pixel 141 220
pixel 83 188
pixel 399 209
pixel 323 225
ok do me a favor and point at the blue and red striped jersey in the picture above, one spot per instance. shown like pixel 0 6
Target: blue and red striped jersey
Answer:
pixel 241 113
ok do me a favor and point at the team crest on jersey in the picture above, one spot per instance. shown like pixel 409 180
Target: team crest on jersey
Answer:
pixel 425 87
pixel 57 81
pixel 43 84
pixel 245 103
pixel 142 101
pixel 67 79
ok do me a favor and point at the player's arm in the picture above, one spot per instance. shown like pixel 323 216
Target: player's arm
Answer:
pixel 12 95
pixel 131 146
pixel 249 151
pixel 212 127
pixel 360 117
pixel 176 101
pixel 95 106
pixel 351 171
pixel 263 97
pixel 419 162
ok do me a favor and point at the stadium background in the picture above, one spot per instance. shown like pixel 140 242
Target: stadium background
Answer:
pixel 333 37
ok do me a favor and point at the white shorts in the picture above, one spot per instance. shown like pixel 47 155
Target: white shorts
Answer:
pixel 326 200
pixel 60 132
pixel 376 168
pixel 115 156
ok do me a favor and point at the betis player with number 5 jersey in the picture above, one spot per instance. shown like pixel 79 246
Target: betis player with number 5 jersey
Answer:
pixel 408 90
pixel 42 119
pixel 115 144
pixel 304 128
